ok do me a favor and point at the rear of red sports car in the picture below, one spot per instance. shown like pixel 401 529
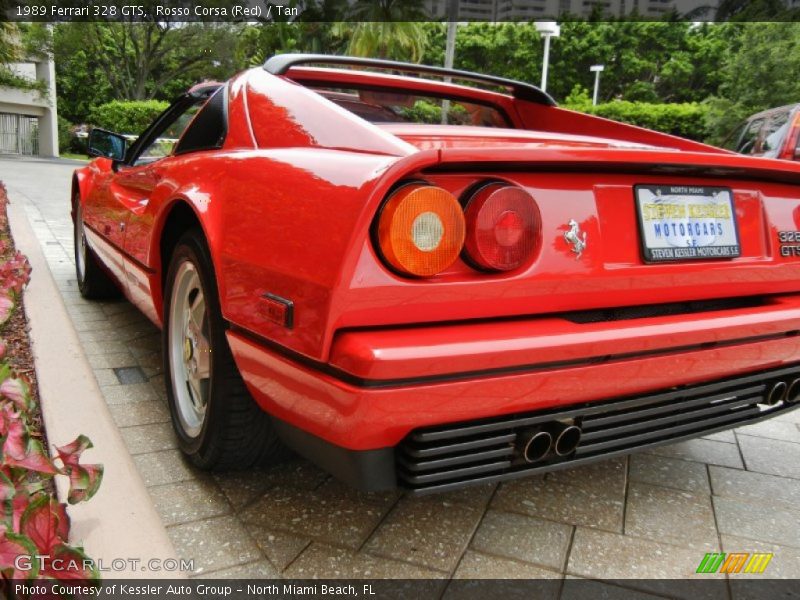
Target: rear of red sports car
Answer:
pixel 429 284
pixel 540 291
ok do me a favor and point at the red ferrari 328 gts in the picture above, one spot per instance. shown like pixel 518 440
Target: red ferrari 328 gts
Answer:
pixel 417 282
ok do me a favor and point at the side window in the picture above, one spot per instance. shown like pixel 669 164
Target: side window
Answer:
pixel 751 140
pixel 775 132
pixel 166 139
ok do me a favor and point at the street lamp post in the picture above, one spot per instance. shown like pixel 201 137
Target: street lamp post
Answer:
pixel 596 69
pixel 547 29
pixel 450 49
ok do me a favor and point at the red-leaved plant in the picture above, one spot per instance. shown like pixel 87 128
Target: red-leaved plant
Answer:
pixel 33 523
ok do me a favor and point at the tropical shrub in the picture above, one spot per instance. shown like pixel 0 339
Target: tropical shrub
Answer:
pixel 578 99
pixel 32 520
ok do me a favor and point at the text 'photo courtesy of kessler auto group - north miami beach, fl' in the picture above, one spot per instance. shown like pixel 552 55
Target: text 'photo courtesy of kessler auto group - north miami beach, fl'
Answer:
pixel 400 299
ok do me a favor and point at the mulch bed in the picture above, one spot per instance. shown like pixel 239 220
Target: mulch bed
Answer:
pixel 20 357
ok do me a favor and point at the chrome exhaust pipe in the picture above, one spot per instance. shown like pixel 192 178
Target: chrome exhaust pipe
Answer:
pixel 533 445
pixel 567 440
pixel 777 393
pixel 793 392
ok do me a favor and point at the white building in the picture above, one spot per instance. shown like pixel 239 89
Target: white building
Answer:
pixel 28 119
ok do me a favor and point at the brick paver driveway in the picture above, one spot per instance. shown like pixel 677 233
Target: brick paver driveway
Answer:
pixel 652 515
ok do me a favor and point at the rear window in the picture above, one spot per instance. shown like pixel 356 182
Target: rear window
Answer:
pixel 399 107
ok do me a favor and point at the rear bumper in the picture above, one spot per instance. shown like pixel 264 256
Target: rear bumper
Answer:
pixel 383 385
pixel 400 356
pixel 448 457
pixel 437 459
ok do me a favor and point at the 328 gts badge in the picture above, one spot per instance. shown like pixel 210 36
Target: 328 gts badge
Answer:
pixel 789 243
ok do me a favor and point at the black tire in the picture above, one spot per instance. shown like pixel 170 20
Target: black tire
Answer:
pixel 234 432
pixel 93 282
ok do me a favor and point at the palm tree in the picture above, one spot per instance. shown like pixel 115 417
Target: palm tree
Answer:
pixel 386 29
pixel 316 36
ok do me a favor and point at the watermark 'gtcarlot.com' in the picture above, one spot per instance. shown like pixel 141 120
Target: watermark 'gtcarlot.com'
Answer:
pixel 25 562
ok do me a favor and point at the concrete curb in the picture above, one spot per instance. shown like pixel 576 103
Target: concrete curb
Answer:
pixel 120 522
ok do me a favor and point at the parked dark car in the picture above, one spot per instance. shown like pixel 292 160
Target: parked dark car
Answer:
pixel 773 133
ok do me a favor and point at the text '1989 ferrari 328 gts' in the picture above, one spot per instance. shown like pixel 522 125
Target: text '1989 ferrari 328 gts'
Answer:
pixel 429 278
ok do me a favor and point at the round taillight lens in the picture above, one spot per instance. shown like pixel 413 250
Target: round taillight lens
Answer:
pixel 421 230
pixel 503 227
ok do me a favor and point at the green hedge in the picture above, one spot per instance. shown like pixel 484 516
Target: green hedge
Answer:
pixel 686 120
pixel 690 120
pixel 129 117
pixel 429 112
pixel 64 135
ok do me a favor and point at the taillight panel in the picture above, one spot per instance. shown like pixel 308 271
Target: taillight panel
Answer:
pixel 420 230
pixel 503 227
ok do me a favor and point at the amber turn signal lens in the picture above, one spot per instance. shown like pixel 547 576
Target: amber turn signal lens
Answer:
pixel 421 230
pixel 503 227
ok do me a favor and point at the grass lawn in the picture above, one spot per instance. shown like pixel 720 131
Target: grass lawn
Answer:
pixel 74 156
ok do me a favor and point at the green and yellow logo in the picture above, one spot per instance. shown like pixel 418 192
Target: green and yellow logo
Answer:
pixel 734 562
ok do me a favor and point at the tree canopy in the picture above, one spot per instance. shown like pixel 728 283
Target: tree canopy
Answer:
pixel 736 67
pixel 100 62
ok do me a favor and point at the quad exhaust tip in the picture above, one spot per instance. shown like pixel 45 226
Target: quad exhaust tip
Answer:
pixel 787 391
pixel 561 438
pixel 793 392
pixel 556 438
pixel 777 393
pixel 567 441
pixel 535 445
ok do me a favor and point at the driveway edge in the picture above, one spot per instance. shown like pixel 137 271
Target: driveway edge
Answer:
pixel 120 522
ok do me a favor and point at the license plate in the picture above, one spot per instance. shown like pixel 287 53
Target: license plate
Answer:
pixel 680 222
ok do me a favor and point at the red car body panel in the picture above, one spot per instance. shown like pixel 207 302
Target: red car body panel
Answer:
pixel 424 352
pixel 287 205
pixel 362 418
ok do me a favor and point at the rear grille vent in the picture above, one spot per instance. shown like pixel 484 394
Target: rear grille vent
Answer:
pixel 451 456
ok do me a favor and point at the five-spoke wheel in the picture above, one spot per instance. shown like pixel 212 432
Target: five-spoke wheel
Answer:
pixel 189 348
pixel 218 424
pixel 93 282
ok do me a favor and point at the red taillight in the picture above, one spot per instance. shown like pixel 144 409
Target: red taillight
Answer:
pixel 503 227
pixel 792 140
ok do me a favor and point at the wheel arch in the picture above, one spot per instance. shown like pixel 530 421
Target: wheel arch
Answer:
pixel 176 219
pixel 78 191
